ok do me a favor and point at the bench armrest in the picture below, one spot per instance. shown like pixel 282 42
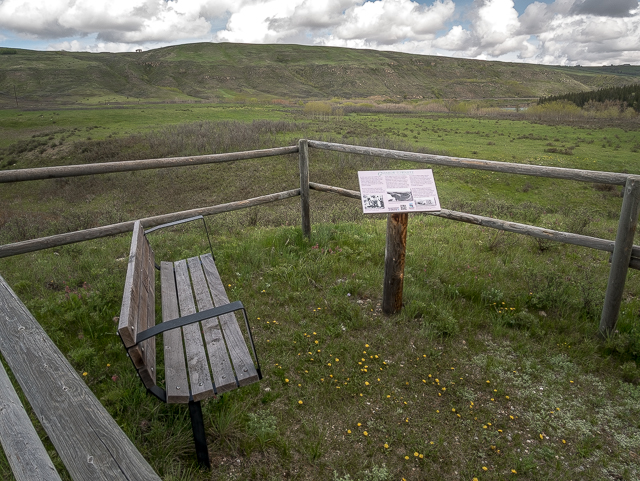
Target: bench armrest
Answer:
pixel 169 224
pixel 182 221
pixel 190 319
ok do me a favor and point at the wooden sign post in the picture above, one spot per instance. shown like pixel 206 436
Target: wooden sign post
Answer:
pixel 394 256
pixel 396 193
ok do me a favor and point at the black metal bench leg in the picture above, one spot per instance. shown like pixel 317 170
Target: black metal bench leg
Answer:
pixel 199 436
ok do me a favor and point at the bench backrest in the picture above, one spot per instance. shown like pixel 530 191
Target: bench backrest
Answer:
pixel 138 306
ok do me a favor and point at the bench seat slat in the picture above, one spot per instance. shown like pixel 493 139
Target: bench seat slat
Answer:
pixel 223 376
pixel 238 351
pixel 199 376
pixel 175 375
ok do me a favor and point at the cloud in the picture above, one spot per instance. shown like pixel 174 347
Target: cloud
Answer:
pixel 604 8
pixel 563 32
pixel 346 22
pixel 559 32
pixel 115 21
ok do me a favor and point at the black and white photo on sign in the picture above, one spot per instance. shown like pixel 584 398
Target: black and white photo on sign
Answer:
pixel 399 195
pixel 426 201
pixel 373 201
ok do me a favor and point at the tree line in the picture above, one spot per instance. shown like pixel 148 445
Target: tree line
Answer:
pixel 628 95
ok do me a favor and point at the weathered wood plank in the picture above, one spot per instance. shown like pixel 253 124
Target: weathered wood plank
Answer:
pixel 57 240
pixel 148 370
pixel 87 439
pixel 505 167
pixel 128 322
pixel 175 369
pixel 394 257
pixel 199 376
pixel 25 452
pixel 237 346
pixel 221 369
pixel 141 293
pixel 133 165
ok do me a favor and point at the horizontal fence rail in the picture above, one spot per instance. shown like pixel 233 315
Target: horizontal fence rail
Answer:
pixel 41 173
pixel 524 229
pixel 33 245
pixel 504 167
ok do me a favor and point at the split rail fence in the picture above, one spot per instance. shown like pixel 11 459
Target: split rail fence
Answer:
pixel 624 253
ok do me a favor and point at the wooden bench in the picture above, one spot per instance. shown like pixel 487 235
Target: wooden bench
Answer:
pixel 86 438
pixel 205 352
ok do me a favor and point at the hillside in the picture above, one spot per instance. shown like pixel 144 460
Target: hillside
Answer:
pixel 236 72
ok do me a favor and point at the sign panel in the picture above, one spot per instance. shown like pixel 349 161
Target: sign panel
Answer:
pixel 385 191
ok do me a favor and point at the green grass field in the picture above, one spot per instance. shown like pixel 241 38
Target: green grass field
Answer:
pixel 491 371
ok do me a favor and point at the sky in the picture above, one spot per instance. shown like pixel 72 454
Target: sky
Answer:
pixel 552 32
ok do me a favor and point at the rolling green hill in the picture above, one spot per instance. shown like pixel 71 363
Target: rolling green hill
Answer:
pixel 236 72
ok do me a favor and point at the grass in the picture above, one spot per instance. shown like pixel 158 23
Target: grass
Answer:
pixel 492 363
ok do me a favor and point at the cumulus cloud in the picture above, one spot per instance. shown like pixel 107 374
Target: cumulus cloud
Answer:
pixel 113 21
pixel 608 8
pixel 569 32
pixel 558 32
pixel 348 22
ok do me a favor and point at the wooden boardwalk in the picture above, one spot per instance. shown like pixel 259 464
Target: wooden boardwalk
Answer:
pixel 87 439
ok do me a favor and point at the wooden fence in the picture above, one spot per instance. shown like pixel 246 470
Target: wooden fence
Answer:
pixel 625 254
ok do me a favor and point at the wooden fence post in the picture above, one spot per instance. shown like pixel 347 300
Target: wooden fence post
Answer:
pixel 303 156
pixel 621 255
pixel 394 262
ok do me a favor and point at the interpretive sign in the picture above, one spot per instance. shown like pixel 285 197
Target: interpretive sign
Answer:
pixel 387 191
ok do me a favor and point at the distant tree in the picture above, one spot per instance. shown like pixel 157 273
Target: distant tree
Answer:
pixel 626 96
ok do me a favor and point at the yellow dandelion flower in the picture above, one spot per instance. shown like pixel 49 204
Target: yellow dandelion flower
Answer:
pixel 484 468
pixel 286 380
pixel 365 433
pixel 85 373
pixel 348 431
pixel 416 454
pixel 514 471
pixel 300 402
pixel 386 446
pixel 407 458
